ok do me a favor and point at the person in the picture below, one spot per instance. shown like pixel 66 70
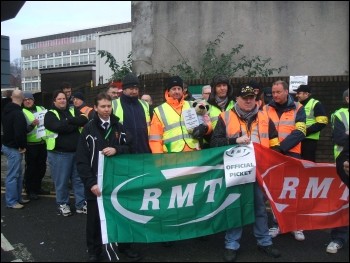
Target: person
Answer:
pixel 340 134
pixel 14 143
pixel 114 91
pixel 36 153
pixel 66 87
pixel 241 125
pixel 168 132
pixel 206 90
pixel 187 94
pixel 220 98
pixel 266 96
pixel 316 120
pixel 99 135
pixel 133 113
pixel 148 99
pixel 289 118
pixel 62 125
pixel 257 91
pixel 79 104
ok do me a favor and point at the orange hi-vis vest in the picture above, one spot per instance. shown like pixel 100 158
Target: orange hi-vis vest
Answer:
pixel 286 124
pixel 235 127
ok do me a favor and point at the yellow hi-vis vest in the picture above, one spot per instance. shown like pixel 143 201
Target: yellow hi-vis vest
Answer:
pixel 214 113
pixel 310 118
pixel 31 136
pixel 50 135
pixel 175 134
pixel 343 115
pixel 118 111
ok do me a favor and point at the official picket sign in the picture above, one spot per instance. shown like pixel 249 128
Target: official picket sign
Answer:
pixel 239 163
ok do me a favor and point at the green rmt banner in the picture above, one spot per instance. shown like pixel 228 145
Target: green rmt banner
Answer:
pixel 165 197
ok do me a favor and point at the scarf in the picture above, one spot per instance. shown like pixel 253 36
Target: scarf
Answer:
pixel 221 102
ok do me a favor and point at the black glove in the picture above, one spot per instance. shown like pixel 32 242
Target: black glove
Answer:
pixel 277 149
pixel 199 131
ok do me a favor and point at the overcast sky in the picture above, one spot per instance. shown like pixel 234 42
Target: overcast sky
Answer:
pixel 43 18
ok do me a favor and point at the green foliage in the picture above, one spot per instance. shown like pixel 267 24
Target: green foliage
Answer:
pixel 212 64
pixel 119 71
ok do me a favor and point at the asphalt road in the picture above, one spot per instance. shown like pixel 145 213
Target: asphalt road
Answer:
pixel 37 233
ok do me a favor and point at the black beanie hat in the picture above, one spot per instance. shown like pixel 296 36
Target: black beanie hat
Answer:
pixel 174 81
pixel 218 80
pixel 79 95
pixel 130 80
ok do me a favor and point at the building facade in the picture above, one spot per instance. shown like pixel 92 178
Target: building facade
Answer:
pixel 70 49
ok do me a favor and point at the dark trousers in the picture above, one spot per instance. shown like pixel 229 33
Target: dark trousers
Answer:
pixel 308 149
pixel 93 230
pixel 35 167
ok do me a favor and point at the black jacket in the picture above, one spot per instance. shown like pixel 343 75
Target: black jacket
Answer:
pixel 14 126
pixel 134 122
pixel 67 128
pixel 94 139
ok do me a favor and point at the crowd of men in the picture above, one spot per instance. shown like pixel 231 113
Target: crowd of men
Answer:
pixel 71 133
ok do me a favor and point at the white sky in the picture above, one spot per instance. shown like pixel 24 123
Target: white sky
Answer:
pixel 43 18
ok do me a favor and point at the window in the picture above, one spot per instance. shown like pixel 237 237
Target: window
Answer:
pixel 84 59
pixel 83 51
pixel 66 53
pixel 50 55
pixel 66 62
pixel 74 52
pixel 58 54
pixel 92 59
pixel 92 50
pixel 35 56
pixel 58 62
pixel 42 63
pixel 42 56
pixel 75 61
pixel 34 64
pixel 50 63
pixel 27 79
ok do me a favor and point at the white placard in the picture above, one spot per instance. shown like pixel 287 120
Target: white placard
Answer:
pixel 40 132
pixel 190 118
pixel 240 165
pixel 296 81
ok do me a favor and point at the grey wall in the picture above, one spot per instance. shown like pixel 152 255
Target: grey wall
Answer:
pixel 310 37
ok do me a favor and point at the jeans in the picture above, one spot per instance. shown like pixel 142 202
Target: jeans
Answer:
pixel 340 235
pixel 261 229
pixel 64 169
pixel 13 183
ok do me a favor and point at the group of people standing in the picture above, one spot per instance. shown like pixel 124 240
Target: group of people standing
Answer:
pixel 121 123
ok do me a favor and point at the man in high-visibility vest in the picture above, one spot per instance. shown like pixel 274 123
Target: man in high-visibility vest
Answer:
pixel 36 153
pixel 241 125
pixel 340 125
pixel 80 104
pixel 316 120
pixel 133 113
pixel 168 130
pixel 289 118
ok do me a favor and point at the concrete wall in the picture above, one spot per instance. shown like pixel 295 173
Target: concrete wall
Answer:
pixel 310 37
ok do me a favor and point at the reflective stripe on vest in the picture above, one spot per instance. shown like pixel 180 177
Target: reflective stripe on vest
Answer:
pixel 118 111
pixel 50 135
pixel 175 134
pixel 343 115
pixel 31 136
pixel 235 127
pixel 214 112
pixel 310 118
pixel 286 124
